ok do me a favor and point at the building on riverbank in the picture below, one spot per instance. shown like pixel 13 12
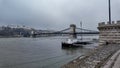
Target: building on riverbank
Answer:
pixel 109 32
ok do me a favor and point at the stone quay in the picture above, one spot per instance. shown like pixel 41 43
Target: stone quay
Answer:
pixel 107 54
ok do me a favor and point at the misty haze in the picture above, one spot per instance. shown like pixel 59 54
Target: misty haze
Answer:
pixel 59 33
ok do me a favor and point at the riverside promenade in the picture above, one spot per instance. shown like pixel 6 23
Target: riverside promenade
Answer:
pixel 113 62
pixel 98 58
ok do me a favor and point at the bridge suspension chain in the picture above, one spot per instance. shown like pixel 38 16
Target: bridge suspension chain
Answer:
pixel 87 30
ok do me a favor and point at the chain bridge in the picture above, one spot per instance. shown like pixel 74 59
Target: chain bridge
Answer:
pixel 72 30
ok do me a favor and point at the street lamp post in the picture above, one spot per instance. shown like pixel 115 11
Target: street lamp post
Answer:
pixel 109 11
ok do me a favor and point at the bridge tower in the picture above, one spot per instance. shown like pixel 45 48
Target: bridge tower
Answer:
pixel 32 33
pixel 73 31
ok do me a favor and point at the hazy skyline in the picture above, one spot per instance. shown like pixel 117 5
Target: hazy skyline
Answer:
pixel 57 14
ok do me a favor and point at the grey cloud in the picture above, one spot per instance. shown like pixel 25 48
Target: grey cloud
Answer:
pixel 57 14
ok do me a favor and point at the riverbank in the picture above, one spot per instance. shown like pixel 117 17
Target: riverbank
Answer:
pixel 113 62
pixel 94 59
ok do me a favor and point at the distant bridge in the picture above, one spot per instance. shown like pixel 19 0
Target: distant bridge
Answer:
pixel 72 30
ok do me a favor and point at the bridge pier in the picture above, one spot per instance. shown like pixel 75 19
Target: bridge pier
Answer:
pixel 32 34
pixel 73 31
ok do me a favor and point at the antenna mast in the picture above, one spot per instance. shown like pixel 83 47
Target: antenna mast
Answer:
pixel 81 29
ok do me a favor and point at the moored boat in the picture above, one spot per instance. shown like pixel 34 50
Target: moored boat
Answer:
pixel 74 43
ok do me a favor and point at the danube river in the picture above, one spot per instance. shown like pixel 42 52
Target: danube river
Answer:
pixel 43 52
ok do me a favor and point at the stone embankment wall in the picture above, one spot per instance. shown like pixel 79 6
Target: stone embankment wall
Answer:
pixel 95 59
pixel 109 32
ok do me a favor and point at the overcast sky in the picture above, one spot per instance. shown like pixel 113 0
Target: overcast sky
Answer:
pixel 57 14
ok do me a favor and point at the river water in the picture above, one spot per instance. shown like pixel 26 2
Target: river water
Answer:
pixel 44 52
